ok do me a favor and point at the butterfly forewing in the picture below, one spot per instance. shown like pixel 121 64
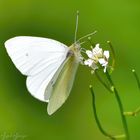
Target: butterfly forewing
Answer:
pixel 38 58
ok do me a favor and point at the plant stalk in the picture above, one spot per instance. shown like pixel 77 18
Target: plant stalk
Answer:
pixel 120 106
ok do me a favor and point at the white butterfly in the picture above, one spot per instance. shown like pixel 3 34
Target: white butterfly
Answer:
pixel 49 65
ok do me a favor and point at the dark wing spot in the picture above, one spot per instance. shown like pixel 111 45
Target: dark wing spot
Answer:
pixel 26 54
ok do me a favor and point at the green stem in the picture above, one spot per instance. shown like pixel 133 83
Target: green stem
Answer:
pixel 98 122
pixel 113 56
pixel 92 44
pixel 120 106
pixel 136 111
pixel 96 117
pixel 137 78
pixel 133 113
pixel 102 82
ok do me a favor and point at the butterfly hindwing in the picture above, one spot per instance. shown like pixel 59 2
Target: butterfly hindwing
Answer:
pixel 63 85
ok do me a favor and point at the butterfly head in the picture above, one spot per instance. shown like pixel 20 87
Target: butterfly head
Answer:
pixel 75 51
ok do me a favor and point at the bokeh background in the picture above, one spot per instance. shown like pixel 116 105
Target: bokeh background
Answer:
pixel 25 116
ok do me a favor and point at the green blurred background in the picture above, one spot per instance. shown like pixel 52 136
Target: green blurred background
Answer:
pixel 117 21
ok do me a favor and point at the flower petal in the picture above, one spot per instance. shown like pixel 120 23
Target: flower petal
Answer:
pixel 89 53
pixel 88 62
pixel 97 46
pixel 106 54
pixel 105 64
pixel 102 61
pixel 105 69
pixel 97 51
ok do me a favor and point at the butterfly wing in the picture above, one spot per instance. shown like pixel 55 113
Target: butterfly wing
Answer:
pixel 37 84
pixel 38 58
pixel 63 84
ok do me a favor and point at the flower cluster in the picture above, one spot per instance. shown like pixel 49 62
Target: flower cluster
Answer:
pixel 97 57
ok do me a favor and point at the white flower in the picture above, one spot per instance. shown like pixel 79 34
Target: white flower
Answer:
pixel 88 62
pixel 91 64
pixel 97 56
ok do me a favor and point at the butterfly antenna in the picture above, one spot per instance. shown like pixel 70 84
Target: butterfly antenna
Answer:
pixel 76 26
pixel 88 35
